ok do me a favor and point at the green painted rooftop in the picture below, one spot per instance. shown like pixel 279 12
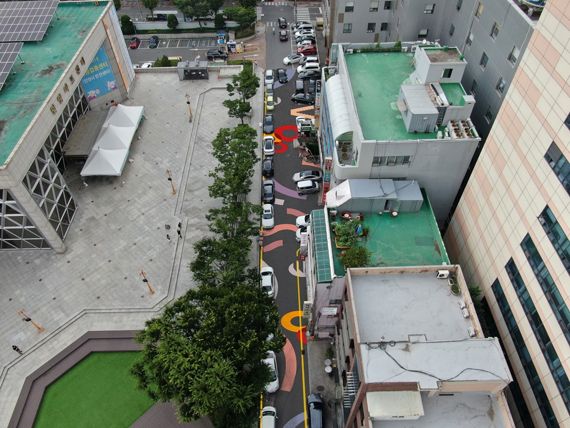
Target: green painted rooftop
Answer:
pixel 454 93
pixel 410 239
pixel 30 83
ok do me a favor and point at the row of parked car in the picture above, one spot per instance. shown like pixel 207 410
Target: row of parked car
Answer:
pixel 315 407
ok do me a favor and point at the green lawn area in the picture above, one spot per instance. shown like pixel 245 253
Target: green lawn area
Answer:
pixel 98 392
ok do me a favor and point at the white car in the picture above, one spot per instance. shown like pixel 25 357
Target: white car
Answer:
pixel 269 77
pixel 304 33
pixel 300 231
pixel 268 417
pixel 268 146
pixel 312 174
pixel 292 59
pixel 268 217
pixel 309 66
pixel 303 123
pixel 147 64
pixel 271 361
pixel 268 280
pixel 303 220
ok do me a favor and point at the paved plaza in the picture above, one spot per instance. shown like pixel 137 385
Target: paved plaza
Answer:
pixel 119 230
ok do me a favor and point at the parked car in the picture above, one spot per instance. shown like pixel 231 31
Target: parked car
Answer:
pixel 302 24
pixel 304 32
pixel 271 361
pixel 303 220
pixel 299 86
pixel 147 64
pixel 282 75
pixel 307 187
pixel 282 22
pixel 269 77
pixel 307 50
pixel 268 146
pixel 283 35
pixel 316 414
pixel 214 54
pixel 267 217
pixel 305 43
pixel 300 232
pixel 309 58
pixel 134 43
pixel 303 98
pixel 292 59
pixel 311 174
pixel 309 74
pixel 268 191
pixel 268 280
pixel 306 38
pixel 268 127
pixel 267 168
pixel 268 417
pixel 309 66
pixel 269 103
pixel 153 42
pixel 304 124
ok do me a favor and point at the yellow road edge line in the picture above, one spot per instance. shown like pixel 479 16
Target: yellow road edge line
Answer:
pixel 301 339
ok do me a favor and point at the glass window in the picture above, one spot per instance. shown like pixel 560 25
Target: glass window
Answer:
pixel 349 7
pixel 514 55
pixel 384 26
pixel 391 161
pixel 479 10
pixel 447 73
pixel 451 29
pixel 484 60
pixel 501 85
pixel 556 235
pixel 371 27
pixel 489 115
pixel 559 165
pixel 567 121
pixel 347 28
pixel 495 31
pixel 423 33
pixel 373 6
pixel 474 87
pixel 387 5
pixel 429 9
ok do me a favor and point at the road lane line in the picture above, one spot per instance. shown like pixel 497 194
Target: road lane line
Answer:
pixel 301 341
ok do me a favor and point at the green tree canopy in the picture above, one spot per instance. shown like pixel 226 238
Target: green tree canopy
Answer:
pixel 244 16
pixel 172 22
pixel 248 3
pixel 150 4
pixel 237 108
pixel 117 4
pixel 127 26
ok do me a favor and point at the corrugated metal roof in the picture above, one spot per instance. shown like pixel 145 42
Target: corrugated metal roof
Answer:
pixel 337 103
pixel 321 246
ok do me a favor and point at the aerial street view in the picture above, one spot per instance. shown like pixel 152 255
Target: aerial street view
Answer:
pixel 285 214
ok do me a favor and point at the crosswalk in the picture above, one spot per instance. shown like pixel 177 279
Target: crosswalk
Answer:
pixel 303 13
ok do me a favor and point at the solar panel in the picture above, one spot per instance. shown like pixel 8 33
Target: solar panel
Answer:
pixel 8 54
pixel 25 21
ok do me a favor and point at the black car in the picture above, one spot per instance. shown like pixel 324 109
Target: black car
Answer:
pixel 214 54
pixel 303 37
pixel 303 98
pixel 282 75
pixel 309 74
pixel 282 22
pixel 283 35
pixel 315 405
pixel 267 168
pixel 153 42
pixel 268 189
pixel 268 127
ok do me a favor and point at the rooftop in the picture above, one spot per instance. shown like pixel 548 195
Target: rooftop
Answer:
pixel 443 54
pixel 376 78
pixel 380 300
pixel 410 239
pixel 44 63
pixel 454 93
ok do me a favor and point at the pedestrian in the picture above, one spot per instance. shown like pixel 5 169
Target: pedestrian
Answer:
pixel 17 349
pixel 179 233
pixel 168 236
pixel 179 225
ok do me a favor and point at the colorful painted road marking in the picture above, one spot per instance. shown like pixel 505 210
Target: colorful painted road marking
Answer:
pixel 293 271
pixel 290 367
pixel 314 165
pixel 287 321
pixel 295 212
pixel 280 148
pixel 287 133
pixel 279 201
pixel 295 421
pixel 279 188
pixel 298 112
pixel 280 228
pixel 272 246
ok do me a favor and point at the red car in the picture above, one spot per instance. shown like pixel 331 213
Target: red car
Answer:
pixel 134 43
pixel 307 50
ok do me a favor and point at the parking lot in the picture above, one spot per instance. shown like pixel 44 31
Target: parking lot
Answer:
pixel 187 48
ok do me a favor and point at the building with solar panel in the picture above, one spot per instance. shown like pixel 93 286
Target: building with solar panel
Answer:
pixel 58 61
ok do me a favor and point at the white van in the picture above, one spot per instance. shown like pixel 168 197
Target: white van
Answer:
pixel 309 66
pixel 306 187
pixel 268 417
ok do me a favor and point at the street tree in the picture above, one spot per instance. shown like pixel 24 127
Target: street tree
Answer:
pixel 172 22
pixel 244 16
pixel 237 108
pixel 127 26
pixel 204 353
pixel 248 3
pixel 150 4
pixel 117 4
pixel 244 84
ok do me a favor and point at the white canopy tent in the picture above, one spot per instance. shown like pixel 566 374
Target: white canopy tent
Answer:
pixel 111 150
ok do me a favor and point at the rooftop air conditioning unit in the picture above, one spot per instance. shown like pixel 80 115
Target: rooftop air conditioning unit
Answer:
pixel 442 274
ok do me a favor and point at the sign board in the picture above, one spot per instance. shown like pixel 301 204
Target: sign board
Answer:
pixel 99 79
pixel 307 307
pixel 329 311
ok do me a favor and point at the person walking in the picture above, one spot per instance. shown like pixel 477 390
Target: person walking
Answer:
pixel 17 349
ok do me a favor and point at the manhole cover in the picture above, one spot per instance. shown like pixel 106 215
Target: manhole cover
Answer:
pixel 320 388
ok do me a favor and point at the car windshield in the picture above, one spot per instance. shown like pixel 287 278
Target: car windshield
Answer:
pixel 267 188
pixel 267 216
pixel 268 120
pixel 268 144
pixel 308 173
pixel 273 375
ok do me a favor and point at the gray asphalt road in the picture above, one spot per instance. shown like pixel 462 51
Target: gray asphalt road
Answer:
pixel 289 404
pixel 186 48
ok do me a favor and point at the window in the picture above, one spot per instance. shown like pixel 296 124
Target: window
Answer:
pixel 391 160
pixel 551 292
pixel 384 26
pixel 447 73
pixel 524 355
pixel 567 121
pixel 559 165
pixel 540 333
pixel 349 7
pixel 371 27
pixel 459 4
pixel 347 28
pixel 474 87
pixel 469 40
pixel 451 29
pixel 494 31
pixel 489 115
pixel 387 5
pixel 501 85
pixel 428 10
pixel 484 61
pixel 373 6
pixel 556 235
pixel 423 34
pixel 479 10
pixel 514 55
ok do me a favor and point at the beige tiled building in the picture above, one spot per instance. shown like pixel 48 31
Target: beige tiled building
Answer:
pixel 511 229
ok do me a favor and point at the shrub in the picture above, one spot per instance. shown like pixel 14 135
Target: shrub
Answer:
pixel 127 26
pixel 355 257
pixel 172 22
pixel 219 21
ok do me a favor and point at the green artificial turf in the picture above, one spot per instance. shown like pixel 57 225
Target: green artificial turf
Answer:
pixel 98 392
